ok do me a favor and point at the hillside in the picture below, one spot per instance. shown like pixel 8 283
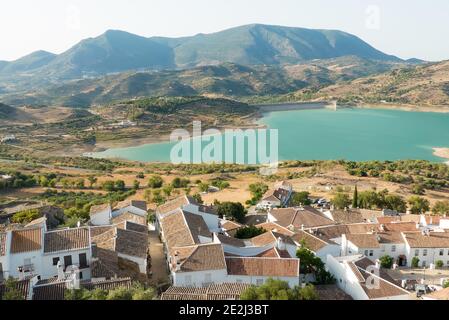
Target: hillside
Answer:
pixel 417 85
pixel 225 80
pixel 117 51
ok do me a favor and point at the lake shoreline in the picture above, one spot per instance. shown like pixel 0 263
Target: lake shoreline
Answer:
pixel 253 122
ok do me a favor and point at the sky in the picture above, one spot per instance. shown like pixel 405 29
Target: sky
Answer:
pixel 406 28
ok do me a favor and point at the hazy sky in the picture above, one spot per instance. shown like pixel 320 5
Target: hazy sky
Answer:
pixel 406 28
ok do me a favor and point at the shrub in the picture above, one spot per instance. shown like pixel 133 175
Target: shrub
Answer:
pixel 386 262
pixel 415 262
pixel 439 264
pixel 25 216
pixel 155 182
pixel 249 232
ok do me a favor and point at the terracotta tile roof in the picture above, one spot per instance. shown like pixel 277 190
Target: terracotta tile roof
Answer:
pixel 224 291
pixel 98 208
pixel 362 227
pixel 239 243
pixel 390 237
pixel 23 286
pixel 197 225
pixel 399 226
pixel 201 258
pixel 56 290
pixel 263 239
pixel 26 240
pixel 271 226
pixel 3 243
pixel 135 203
pixel 66 240
pixel 350 216
pixel 386 286
pixel 298 218
pixel 275 195
pixel 131 243
pixel 172 205
pixel 128 225
pixel 98 230
pixel 388 219
pixel 129 216
pixel 267 267
pixel 230 225
pixel 434 240
pixel 311 242
pixel 364 240
pixel 331 292
pixel 37 222
pixel 175 230
pixel 270 253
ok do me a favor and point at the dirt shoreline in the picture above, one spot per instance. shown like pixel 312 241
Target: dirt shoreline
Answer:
pixel 441 153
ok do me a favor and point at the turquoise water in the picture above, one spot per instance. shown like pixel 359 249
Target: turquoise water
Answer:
pixel 352 134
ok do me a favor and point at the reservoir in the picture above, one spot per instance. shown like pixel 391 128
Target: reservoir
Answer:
pixel 323 134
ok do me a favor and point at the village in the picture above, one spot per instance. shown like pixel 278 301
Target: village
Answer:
pixel 190 250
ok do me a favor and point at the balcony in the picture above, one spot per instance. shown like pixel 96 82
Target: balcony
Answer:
pixel 26 268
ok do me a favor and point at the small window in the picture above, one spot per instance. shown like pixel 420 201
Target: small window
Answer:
pixel 55 261
pixel 67 261
pixel 425 252
pixel 81 275
pixel 416 252
pixel 441 252
pixel 366 252
pixel 371 253
pixel 83 260
pixel 393 248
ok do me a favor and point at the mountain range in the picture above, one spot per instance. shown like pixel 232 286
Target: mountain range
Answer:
pixel 255 44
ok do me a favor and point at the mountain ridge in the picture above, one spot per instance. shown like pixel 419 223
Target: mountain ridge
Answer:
pixel 253 44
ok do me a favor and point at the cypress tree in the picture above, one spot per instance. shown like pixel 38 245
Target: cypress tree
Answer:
pixel 355 199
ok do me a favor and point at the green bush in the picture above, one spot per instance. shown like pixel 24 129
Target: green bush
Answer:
pixel 26 216
pixel 439 264
pixel 415 262
pixel 249 232
pixel 386 261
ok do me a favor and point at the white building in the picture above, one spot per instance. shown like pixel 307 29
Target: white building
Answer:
pixel 363 280
pixel 277 197
pixel 428 246
pixel 133 206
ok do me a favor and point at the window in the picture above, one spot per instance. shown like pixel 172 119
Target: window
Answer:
pixel 83 260
pixel 366 252
pixel 371 253
pixel 441 252
pixel 393 248
pixel 67 261
pixel 425 252
pixel 80 275
pixel 55 261
pixel 259 282
pixel 416 252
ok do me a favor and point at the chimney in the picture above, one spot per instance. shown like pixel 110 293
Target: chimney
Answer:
pixel 176 262
pixel 20 270
pixel 302 227
pixel 382 227
pixel 377 264
pixel 280 244
pixel 61 275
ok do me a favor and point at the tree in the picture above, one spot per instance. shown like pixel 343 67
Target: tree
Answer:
pixel 418 189
pixel 167 189
pixel 418 205
pixel 415 262
pixel 394 202
pixel 279 290
pixel 341 200
pixel 204 187
pixel 249 232
pixel 439 264
pixel 446 284
pixel 26 216
pixel 257 190
pixel 108 186
pixel 232 210
pixel 312 264
pixel 157 197
pixel 355 199
pixel 92 180
pixel 300 199
pixel 441 208
pixel 119 185
pixel 180 183
pixel 197 198
pixel 136 185
pixel 155 182
pixel 386 261
pixel 11 291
